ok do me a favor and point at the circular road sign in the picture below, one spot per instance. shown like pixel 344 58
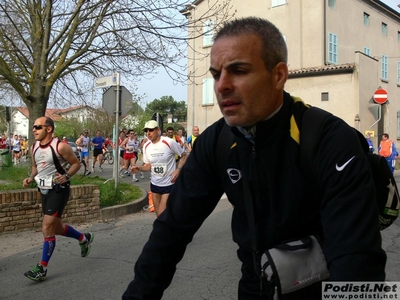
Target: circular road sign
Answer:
pixel 380 96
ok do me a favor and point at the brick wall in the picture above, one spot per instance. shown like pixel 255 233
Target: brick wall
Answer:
pixel 22 209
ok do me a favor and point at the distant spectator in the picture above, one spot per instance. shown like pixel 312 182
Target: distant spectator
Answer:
pixel 3 142
pixel 387 149
pixel 192 138
pixel 370 143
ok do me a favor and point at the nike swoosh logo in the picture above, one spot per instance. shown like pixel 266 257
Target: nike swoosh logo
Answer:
pixel 344 165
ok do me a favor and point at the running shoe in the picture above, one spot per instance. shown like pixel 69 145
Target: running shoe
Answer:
pixel 127 173
pixel 85 246
pixel 101 169
pixel 37 273
pixel 135 179
pixel 141 175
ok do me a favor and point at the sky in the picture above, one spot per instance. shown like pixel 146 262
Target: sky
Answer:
pixel 392 3
pixel 162 85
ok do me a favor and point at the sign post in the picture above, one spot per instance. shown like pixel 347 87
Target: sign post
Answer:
pixel 102 82
pixel 380 96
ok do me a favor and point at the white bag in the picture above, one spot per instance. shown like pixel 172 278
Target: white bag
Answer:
pixel 294 265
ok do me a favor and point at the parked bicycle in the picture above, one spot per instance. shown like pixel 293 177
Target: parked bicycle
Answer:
pixel 82 171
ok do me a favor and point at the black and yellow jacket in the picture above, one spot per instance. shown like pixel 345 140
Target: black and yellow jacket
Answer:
pixel 343 213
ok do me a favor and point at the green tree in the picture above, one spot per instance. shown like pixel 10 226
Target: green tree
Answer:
pixel 167 105
pixel 66 44
pixel 97 119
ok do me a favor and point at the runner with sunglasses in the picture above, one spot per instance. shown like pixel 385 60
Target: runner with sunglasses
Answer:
pixel 84 143
pixel 159 158
pixel 130 146
pixel 48 157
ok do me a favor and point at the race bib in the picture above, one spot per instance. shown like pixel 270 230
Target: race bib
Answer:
pixel 44 182
pixel 159 169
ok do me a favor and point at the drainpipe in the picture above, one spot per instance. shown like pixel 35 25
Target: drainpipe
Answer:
pixel 325 60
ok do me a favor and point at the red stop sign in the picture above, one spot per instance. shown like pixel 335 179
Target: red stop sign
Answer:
pixel 380 96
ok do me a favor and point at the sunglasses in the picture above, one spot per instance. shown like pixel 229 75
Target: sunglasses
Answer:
pixel 39 127
pixel 148 129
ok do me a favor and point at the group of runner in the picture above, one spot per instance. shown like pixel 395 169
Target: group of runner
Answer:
pixel 129 148
pixel 17 145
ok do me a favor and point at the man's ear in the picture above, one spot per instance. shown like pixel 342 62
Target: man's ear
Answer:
pixel 281 74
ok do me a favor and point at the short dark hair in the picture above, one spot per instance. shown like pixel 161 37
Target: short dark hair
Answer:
pixel 170 128
pixel 49 122
pixel 274 48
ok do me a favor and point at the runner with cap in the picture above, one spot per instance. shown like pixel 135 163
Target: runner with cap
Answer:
pixel 159 158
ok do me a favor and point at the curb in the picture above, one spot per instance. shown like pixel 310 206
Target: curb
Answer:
pixel 124 209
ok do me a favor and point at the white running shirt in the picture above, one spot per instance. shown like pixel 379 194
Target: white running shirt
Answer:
pixel 85 144
pixel 131 146
pixel 161 157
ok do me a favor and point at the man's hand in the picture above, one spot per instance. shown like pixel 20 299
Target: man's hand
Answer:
pixel 27 181
pixel 134 169
pixel 60 179
pixel 175 175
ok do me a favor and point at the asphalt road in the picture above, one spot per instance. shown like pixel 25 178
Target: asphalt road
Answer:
pixel 209 269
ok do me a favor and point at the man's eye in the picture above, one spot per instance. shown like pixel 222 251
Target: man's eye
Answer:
pixel 216 76
pixel 240 71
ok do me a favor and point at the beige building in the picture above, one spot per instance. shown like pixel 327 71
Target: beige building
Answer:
pixel 340 53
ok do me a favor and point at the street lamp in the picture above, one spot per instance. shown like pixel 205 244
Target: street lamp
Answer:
pixel 192 6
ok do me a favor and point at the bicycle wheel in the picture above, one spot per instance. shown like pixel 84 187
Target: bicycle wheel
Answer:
pixel 110 159
pixel 81 171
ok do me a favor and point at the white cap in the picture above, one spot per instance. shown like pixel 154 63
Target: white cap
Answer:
pixel 150 125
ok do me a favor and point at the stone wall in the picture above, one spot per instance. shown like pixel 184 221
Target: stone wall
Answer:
pixel 22 209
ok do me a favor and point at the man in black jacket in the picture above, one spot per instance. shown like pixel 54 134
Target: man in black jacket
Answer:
pixel 249 66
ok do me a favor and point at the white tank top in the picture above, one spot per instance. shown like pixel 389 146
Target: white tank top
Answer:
pixel 44 157
pixel 85 144
pixel 131 146
pixel 17 145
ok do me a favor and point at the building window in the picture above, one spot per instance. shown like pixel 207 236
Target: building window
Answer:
pixel 398 72
pixel 384 29
pixel 366 19
pixel 384 74
pixel 325 96
pixel 367 51
pixel 277 2
pixel 208 33
pixel 208 91
pixel 332 3
pixel 333 48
